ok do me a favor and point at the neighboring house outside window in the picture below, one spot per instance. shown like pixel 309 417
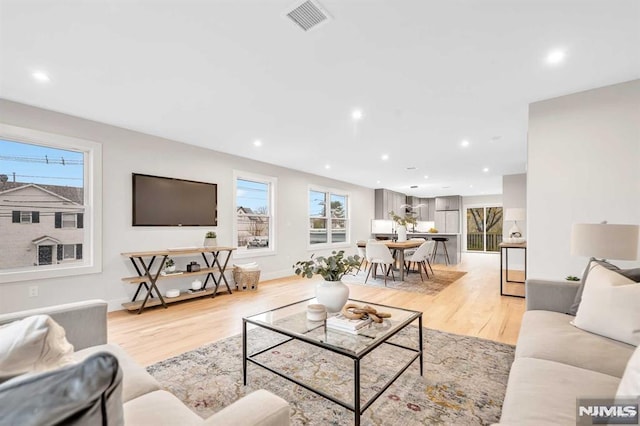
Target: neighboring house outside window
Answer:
pixel 46 223
pixel 328 218
pixel 254 227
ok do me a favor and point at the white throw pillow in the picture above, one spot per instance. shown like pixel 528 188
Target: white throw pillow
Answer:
pixel 33 344
pixel 629 386
pixel 609 306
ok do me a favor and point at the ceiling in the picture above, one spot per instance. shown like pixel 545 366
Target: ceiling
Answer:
pixel 426 74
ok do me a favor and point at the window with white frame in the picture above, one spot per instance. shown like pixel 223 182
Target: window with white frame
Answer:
pixel 51 182
pixel 254 227
pixel 328 217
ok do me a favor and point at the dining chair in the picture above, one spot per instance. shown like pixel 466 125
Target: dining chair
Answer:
pixel 379 254
pixel 362 252
pixel 421 259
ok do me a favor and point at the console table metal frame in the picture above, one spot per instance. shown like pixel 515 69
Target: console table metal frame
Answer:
pixel 143 264
pixel 506 247
pixel 357 407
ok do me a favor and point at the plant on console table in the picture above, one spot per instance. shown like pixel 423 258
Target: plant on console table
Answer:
pixel 331 292
pixel 169 265
pixel 210 239
pixel 402 222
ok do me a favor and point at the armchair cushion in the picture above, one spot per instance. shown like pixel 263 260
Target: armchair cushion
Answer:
pixel 33 344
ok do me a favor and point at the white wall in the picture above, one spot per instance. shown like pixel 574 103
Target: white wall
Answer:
pixel 583 167
pixel 125 152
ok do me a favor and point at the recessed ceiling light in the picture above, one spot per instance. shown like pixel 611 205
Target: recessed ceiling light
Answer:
pixel 257 142
pixel 464 143
pixel 377 181
pixel 555 57
pixel 486 169
pixel 385 157
pixel 41 76
pixel 327 166
pixel 426 177
pixel 356 114
pixel 470 186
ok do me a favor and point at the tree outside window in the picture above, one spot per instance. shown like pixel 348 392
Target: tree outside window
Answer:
pixel 328 226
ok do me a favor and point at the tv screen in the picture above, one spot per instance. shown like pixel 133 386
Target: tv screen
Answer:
pixel 163 201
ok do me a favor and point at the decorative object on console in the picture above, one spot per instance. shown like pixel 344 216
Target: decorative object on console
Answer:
pixel 331 292
pixel 604 241
pixel 172 292
pixel 515 215
pixel 169 265
pixel 196 285
pixel 210 239
pixel 193 266
pixel 246 276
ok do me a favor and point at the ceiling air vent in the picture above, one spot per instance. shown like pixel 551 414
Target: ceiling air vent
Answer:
pixel 308 15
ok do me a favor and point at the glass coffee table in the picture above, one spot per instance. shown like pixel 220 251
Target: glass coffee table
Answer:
pixel 291 321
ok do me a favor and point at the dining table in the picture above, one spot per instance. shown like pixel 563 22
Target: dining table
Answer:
pixel 398 248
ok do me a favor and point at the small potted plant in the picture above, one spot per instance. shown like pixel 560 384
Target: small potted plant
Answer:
pixel 210 239
pixel 331 292
pixel 402 223
pixel 169 265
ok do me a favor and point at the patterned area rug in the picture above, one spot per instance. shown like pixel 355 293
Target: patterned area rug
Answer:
pixel 433 285
pixel 464 379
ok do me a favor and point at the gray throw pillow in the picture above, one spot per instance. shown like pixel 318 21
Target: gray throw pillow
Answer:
pixel 632 274
pixel 88 393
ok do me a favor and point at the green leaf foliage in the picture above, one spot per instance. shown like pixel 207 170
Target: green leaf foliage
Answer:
pixel 331 268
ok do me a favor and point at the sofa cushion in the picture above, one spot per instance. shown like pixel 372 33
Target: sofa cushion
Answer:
pixel 541 392
pixel 33 344
pixel 136 381
pixel 633 274
pixel 549 335
pixel 609 306
pixel 88 393
pixel 630 384
pixel 159 408
pixel 258 408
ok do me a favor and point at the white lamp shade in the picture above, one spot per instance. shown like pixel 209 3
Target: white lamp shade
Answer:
pixel 605 241
pixel 514 214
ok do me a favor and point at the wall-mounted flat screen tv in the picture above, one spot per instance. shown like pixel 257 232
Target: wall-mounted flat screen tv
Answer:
pixel 163 201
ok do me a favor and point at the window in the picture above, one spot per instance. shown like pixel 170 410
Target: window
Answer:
pixel 484 228
pixel 328 225
pixel 69 220
pixel 254 229
pixel 53 183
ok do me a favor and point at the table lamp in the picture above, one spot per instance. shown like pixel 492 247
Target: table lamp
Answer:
pixel 514 215
pixel 605 241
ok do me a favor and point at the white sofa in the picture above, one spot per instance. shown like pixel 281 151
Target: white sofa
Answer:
pixel 144 400
pixel 555 362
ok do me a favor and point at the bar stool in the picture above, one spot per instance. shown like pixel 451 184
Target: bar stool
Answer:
pixel 441 240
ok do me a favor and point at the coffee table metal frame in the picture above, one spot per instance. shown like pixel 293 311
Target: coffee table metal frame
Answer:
pixel 356 407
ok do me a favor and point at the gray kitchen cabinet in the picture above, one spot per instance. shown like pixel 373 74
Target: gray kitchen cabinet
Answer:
pixel 452 202
pixel 447 221
pixel 386 201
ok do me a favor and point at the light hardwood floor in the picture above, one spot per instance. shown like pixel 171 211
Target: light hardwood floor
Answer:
pixel 471 306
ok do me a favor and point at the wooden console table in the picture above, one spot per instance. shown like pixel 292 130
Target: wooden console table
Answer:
pixel 505 247
pixel 147 277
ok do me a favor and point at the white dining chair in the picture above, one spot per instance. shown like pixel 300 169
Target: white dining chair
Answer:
pixel 421 259
pixel 362 252
pixel 379 254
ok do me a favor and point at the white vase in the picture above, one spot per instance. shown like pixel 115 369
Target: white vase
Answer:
pixel 210 242
pixel 402 233
pixel 332 294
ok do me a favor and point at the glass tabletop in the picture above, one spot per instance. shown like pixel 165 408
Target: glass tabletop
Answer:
pixel 292 321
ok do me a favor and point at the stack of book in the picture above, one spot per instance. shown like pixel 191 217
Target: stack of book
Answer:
pixel 342 323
